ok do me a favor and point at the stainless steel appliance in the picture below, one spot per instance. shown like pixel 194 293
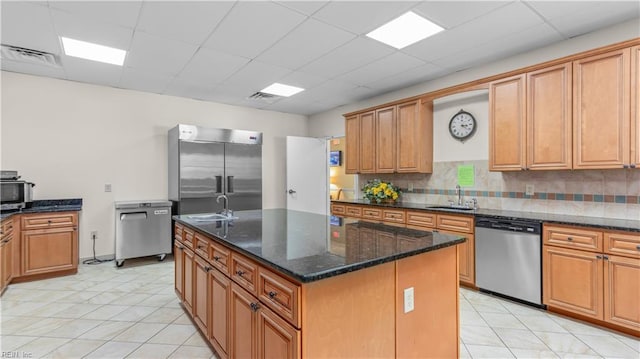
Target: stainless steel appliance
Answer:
pixel 205 163
pixel 509 258
pixel 14 194
pixel 143 228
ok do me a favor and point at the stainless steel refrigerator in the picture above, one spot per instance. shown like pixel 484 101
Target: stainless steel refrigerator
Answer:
pixel 207 162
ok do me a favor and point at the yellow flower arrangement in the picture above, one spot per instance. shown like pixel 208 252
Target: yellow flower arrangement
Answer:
pixel 377 190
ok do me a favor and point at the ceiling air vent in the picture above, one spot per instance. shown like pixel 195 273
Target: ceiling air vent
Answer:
pixel 265 97
pixel 20 54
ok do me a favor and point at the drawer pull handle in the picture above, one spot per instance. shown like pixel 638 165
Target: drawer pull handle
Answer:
pixel 598 257
pixel 569 238
pixel 200 246
pixel 272 295
pixel 638 247
pixel 207 268
pixel 254 307
pixel 49 221
pixel 240 273
pixel 216 258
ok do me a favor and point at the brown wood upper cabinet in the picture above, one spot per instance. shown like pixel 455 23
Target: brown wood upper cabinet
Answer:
pixel 396 138
pixel 530 121
pixel 635 106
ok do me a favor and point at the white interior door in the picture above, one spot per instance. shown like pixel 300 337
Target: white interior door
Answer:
pixel 307 174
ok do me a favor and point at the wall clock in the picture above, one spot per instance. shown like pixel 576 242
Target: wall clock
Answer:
pixel 462 125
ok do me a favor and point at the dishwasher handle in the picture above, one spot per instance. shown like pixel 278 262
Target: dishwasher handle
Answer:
pixel 133 216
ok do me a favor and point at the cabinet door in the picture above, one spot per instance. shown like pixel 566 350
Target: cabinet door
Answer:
pixel 549 118
pixel 243 319
pixel 276 338
pixel 49 250
pixel 188 280
pixel 352 146
pixel 220 292
pixel 178 257
pixel 386 140
pixel 635 106
pixel 466 258
pixel 507 124
pixel 601 116
pixel 622 291
pixel 367 142
pixel 408 137
pixel 572 281
pixel 200 293
pixel 7 260
pixel 3 284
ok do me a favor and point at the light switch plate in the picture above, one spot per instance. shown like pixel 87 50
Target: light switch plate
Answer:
pixel 410 187
pixel 408 300
pixel 107 187
pixel 529 190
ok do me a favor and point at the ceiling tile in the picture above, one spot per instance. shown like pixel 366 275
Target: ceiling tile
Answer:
pixel 302 108
pixel 347 57
pixel 211 67
pixel 329 91
pixel 138 80
pixel 156 54
pixel 254 77
pixel 554 9
pixel 408 78
pixel 191 22
pixel 305 7
pixel 306 43
pixel 252 27
pixel 186 89
pixel 450 14
pixel 361 17
pixel 92 72
pixel 392 64
pixel 595 16
pixel 29 26
pixel 301 79
pixel 78 28
pixel 122 13
pixel 32 69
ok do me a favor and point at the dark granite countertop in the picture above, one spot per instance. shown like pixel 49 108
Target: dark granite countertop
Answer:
pixel 48 205
pixel 596 222
pixel 310 247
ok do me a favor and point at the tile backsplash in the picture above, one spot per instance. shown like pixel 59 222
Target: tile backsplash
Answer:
pixel 593 193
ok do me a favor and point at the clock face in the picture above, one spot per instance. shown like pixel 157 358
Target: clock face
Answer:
pixel 462 125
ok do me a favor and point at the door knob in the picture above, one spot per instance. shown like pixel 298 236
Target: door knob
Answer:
pixel 291 191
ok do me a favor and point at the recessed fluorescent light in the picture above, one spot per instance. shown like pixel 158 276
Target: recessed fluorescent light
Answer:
pixel 281 90
pixel 405 30
pixel 95 52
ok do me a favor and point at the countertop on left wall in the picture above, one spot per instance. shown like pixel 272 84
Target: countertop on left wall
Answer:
pixel 48 205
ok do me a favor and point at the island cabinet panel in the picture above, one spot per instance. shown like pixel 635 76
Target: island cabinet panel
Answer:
pixel 244 272
pixel 367 142
pixel 281 295
pixel 220 294
pixel 178 257
pixel 572 280
pixel 352 146
pixel 601 110
pixel 507 111
pixel 622 291
pixel 385 140
pixel 201 293
pixel 220 257
pixel 243 323
pixel 187 261
pixel 276 338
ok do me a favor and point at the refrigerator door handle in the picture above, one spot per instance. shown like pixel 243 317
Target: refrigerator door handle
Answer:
pixel 218 184
pixel 229 184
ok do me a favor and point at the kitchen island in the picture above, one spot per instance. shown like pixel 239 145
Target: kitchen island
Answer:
pixel 287 284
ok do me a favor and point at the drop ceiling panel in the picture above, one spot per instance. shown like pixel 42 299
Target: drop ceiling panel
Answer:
pixel 156 54
pixel 123 13
pixel 600 15
pixel 361 17
pixel 450 14
pixel 303 80
pixel 554 9
pixel 29 26
pixel 388 66
pixel 306 43
pixel 254 77
pixel 91 31
pixel 191 22
pixel 304 7
pixel 350 56
pixel 198 91
pixel 212 67
pixel 142 81
pixel 32 69
pixel 92 72
pixel 407 78
pixel 293 106
pixel 249 29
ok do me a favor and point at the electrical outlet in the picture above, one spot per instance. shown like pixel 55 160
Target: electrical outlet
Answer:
pixel 529 190
pixel 107 187
pixel 94 235
pixel 410 187
pixel 408 300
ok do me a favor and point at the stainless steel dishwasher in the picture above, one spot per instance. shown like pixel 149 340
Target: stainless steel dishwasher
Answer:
pixel 509 258
pixel 143 228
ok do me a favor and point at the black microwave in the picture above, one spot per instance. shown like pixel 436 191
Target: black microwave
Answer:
pixel 15 195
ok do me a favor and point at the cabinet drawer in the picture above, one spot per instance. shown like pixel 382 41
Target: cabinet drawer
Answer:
pixel 177 231
pixel 6 228
pixel 625 244
pixel 201 245
pixel 421 219
pixel 49 220
pixel 219 256
pixel 338 209
pixel 573 237
pixel 455 223
pixel 244 272
pixel 280 295
pixel 372 213
pixel 188 237
pixel 393 215
pixel 353 211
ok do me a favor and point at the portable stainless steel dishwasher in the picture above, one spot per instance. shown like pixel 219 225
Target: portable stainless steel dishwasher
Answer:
pixel 143 228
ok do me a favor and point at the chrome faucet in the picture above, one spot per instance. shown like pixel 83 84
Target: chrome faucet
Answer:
pixel 459 194
pixel 226 211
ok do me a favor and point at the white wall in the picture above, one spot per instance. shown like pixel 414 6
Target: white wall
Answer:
pixel 330 123
pixel 72 138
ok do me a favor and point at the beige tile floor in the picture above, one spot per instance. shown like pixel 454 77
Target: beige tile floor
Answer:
pixel 132 312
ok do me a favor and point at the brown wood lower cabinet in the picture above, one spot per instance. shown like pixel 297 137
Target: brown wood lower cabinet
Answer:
pixel 187 262
pixel 201 302
pixel 219 297
pixel 178 257
pixel 49 250
pixel 276 338
pixel 243 323
pixel 622 291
